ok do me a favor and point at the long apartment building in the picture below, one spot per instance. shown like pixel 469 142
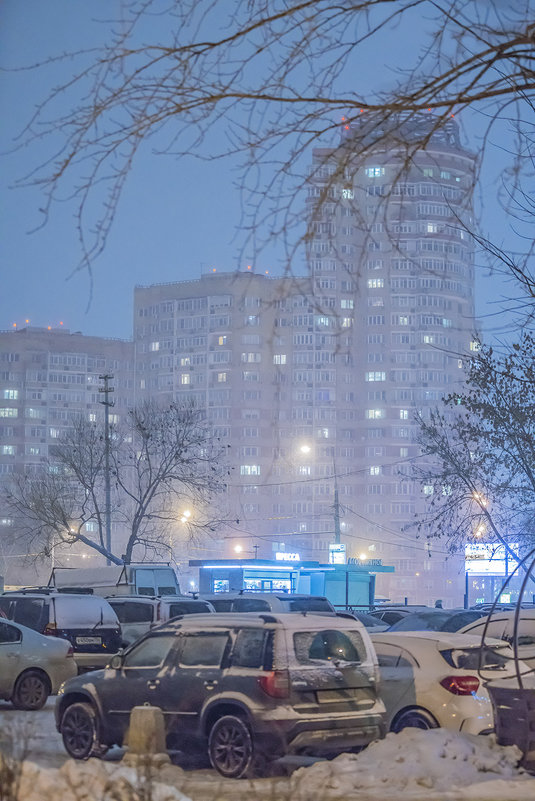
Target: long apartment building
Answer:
pixel 46 377
pixel 315 382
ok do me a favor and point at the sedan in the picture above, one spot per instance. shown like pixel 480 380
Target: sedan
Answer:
pixel 32 666
pixel 434 679
pixel 501 625
pixel 437 620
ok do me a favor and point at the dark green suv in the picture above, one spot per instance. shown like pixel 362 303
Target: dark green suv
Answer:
pixel 246 687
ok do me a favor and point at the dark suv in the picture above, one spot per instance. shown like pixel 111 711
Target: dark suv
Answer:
pixel 247 687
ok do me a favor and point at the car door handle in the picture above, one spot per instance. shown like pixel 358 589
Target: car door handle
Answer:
pixel 153 684
pixel 210 684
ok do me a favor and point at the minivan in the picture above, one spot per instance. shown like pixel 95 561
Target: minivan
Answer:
pixel 269 602
pixel 138 614
pixel 87 621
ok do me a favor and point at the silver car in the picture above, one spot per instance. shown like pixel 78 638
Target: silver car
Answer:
pixel 32 666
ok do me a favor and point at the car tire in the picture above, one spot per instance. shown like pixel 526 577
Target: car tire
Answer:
pixel 231 748
pixel 31 690
pixel 413 718
pixel 79 730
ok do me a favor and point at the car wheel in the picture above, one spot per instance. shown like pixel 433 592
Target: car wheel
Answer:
pixel 79 730
pixel 230 747
pixel 31 690
pixel 414 718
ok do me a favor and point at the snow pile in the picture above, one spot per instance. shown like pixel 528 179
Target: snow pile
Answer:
pixel 420 764
pixel 105 781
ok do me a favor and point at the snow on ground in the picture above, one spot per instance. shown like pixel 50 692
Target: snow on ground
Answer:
pixel 436 765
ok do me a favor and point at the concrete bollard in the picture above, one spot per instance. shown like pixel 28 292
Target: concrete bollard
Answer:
pixel 146 736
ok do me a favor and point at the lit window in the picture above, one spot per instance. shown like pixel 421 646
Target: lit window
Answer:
pixel 403 414
pixel 375 470
pixel 279 358
pixel 375 414
pixel 185 378
pixel 428 172
pixel 10 394
pixel 9 412
pixel 221 377
pixel 403 320
pixel 374 172
pixel 185 361
pixel 432 228
pixel 375 376
pixel 428 489
pixel 222 340
pixel 403 452
pixel 92 417
pixel 475 345
pixel 250 470
pixel 347 322
pixel 445 174
pixel 304 470
pixel 8 450
pixel 348 194
pixel 347 303
pixel 375 283
pixel 429 339
pixel 155 346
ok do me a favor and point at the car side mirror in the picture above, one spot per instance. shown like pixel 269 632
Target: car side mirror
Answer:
pixel 116 661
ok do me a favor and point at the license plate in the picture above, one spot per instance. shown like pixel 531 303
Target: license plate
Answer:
pixel 351 693
pixel 89 641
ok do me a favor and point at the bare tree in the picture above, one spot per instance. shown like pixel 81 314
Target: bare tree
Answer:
pixel 163 462
pixel 478 466
pixel 275 79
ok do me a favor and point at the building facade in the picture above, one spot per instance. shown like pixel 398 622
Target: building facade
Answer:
pixel 315 383
pixel 47 376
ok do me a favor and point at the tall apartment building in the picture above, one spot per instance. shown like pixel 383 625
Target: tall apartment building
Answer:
pixel 314 383
pixel 46 377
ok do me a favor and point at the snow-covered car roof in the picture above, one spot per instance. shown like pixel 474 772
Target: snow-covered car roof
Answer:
pixel 287 620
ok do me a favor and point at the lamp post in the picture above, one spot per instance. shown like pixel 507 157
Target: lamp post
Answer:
pixel 306 449
pixel 106 390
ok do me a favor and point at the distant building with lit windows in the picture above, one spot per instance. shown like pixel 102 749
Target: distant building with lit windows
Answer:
pixel 47 376
pixel 314 383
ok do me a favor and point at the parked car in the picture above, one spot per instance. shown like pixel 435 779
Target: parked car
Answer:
pixel 31 666
pixel 373 624
pixel 502 626
pixel 87 621
pixel 437 620
pixel 392 614
pixel 139 614
pixel 431 679
pixel 245 687
pixel 269 602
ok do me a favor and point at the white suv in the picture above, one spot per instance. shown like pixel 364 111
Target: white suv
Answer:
pixel 139 613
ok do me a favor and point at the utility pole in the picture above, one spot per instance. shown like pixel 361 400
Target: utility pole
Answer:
pixel 106 390
pixel 336 505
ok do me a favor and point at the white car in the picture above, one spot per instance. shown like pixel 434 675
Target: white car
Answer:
pixel 432 679
pixel 32 666
pixel 501 625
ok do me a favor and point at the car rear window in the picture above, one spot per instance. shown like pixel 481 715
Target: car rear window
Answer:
pixel 132 611
pixel 83 612
pixel 308 604
pixel 250 605
pixel 479 658
pixel 222 605
pixel 329 645
pixel 188 608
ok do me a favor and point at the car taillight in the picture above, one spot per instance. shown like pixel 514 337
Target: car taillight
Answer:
pixel 276 683
pixel 460 685
pixel 51 630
